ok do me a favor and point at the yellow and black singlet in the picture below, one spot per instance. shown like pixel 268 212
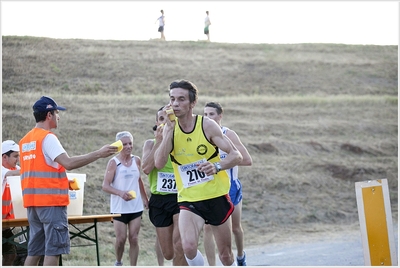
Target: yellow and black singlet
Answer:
pixel 190 149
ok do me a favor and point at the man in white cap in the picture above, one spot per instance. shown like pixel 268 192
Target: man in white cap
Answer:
pixel 10 157
pixel 45 184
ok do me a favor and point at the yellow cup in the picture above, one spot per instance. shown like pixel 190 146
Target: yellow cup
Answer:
pixel 132 193
pixel 74 185
pixel 171 114
pixel 118 144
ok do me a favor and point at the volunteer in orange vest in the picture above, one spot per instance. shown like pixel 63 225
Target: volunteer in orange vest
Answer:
pixel 45 184
pixel 10 157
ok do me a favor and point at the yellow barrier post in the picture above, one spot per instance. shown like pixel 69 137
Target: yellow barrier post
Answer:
pixel 376 225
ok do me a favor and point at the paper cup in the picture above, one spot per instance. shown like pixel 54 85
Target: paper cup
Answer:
pixel 118 144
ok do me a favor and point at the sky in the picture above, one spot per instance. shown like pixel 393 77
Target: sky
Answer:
pixel 273 22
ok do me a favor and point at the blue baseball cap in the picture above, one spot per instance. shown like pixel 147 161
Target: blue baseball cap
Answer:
pixel 45 104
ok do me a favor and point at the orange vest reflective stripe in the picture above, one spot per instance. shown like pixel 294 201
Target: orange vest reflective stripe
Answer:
pixel 7 209
pixel 42 185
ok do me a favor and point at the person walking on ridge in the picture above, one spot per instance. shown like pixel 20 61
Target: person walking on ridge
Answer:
pixel 207 23
pixel 161 24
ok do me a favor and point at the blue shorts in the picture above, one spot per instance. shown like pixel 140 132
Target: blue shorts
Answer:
pixel 48 231
pixel 235 192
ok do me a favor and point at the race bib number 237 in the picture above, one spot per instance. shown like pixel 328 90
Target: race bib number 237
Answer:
pixel 166 182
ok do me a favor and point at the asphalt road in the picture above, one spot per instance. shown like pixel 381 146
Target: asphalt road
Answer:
pixel 344 250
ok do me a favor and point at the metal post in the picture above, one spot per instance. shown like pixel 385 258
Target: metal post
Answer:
pixel 375 217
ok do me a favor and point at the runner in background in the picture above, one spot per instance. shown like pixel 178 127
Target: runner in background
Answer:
pixel 214 111
pixel 163 203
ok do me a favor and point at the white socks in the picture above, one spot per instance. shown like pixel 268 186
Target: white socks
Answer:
pixel 197 261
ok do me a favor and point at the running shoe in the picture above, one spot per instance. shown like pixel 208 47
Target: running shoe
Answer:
pixel 242 262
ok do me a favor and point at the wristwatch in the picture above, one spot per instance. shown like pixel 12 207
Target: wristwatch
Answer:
pixel 217 167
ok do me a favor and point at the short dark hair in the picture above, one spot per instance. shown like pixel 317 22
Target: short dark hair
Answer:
pixel 41 116
pixel 215 105
pixel 8 153
pixel 158 111
pixel 155 126
pixel 186 84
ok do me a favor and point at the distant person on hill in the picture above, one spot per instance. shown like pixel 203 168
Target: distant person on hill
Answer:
pixel 163 204
pixel 214 111
pixel 191 142
pixel 207 24
pixel 161 24
pixel 10 157
pixel 45 184
pixel 123 175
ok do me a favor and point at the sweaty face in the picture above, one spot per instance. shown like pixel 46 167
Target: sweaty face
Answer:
pixel 211 113
pixel 180 102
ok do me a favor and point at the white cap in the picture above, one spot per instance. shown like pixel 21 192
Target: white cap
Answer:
pixel 9 145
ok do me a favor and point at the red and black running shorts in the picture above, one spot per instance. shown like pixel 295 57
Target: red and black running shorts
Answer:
pixel 214 211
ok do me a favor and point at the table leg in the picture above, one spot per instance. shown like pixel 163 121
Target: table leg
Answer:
pixel 97 242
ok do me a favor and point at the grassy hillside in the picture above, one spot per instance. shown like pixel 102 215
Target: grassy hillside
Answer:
pixel 316 118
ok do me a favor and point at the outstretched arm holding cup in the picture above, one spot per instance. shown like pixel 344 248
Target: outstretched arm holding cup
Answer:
pixel 43 156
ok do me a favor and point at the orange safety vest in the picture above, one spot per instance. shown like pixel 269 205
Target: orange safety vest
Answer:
pixel 42 185
pixel 7 209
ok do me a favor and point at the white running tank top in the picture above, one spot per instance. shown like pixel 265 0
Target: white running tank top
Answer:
pixel 126 179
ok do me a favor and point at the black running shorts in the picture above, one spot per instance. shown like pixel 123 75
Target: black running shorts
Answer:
pixel 214 211
pixel 162 208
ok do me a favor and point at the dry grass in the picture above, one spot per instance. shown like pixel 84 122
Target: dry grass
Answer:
pixel 316 118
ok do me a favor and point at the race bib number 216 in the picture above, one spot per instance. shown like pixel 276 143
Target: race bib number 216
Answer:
pixel 191 176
